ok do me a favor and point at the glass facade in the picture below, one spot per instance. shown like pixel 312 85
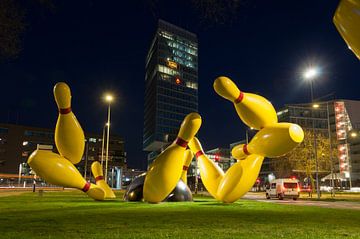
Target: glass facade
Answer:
pixel 171 85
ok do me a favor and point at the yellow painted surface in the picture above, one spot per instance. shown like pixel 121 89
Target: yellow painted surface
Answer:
pixel 347 22
pixel 254 110
pixel 187 161
pixel 55 169
pixel 272 141
pixel 165 172
pixel 97 171
pixel 69 136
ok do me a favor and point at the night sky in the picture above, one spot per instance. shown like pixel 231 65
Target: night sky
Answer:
pixel 99 46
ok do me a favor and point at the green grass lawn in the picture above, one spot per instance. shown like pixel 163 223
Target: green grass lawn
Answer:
pixel 74 215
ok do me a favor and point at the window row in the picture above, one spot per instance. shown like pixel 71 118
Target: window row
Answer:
pixel 40 134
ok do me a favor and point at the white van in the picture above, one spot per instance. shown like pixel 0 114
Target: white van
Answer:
pixel 283 188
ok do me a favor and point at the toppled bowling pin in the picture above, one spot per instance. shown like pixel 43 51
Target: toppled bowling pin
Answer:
pixel 188 158
pixel 254 110
pixel 99 178
pixel 272 141
pixel 165 172
pixel 210 173
pixel 56 170
pixel 69 136
pixel 232 185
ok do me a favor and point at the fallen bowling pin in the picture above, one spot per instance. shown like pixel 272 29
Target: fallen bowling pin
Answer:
pixel 254 110
pixel 272 141
pixel 210 173
pixel 69 136
pixel 165 172
pixel 99 178
pixel 57 170
pixel 188 158
pixel 239 178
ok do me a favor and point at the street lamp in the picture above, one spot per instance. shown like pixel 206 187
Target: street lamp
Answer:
pixel 103 146
pixel 108 98
pixel 309 75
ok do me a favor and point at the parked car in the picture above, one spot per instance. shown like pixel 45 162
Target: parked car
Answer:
pixel 283 188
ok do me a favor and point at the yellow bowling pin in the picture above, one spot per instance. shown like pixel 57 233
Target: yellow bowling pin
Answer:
pixel 99 178
pixel 164 173
pixel 239 179
pixel 272 141
pixel 69 136
pixel 254 110
pixel 55 169
pixel 188 158
pixel 347 22
pixel 210 173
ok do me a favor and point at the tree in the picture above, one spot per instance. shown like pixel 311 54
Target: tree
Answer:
pixel 11 27
pixel 302 159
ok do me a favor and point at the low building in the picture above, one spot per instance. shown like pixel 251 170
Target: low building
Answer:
pixel 17 142
pixel 339 119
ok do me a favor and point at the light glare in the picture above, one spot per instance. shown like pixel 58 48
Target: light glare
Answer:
pixel 310 73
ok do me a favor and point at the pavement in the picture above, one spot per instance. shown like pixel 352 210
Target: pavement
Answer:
pixel 260 197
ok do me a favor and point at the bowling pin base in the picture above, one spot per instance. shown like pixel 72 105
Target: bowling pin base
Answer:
pixel 95 192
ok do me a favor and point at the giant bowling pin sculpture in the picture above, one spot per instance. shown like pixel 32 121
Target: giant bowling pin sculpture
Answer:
pixel 69 139
pixel 188 158
pixel 273 139
pixel 99 179
pixel 165 172
pixel 57 170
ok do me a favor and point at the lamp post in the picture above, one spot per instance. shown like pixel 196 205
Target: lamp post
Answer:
pixel 309 75
pixel 108 98
pixel 103 147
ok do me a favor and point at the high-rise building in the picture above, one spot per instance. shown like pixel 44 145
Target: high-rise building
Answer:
pixel 342 119
pixel 171 85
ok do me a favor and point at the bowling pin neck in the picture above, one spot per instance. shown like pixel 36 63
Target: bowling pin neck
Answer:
pixel 64 111
pixel 181 142
pixel 226 88
pixel 62 95
pixel 86 187
pixel 239 98
pixel 199 153
pixel 189 127
pixel 98 178
pixel 246 150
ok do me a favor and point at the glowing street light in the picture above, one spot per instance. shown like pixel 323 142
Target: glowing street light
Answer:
pixel 108 98
pixel 311 73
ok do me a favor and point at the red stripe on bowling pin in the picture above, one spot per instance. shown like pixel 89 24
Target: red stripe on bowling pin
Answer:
pixel 245 149
pixel 99 178
pixel 183 143
pixel 199 153
pixel 86 187
pixel 65 111
pixel 240 98
pixel 185 168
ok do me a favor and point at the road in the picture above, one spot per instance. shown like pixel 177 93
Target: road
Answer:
pixel 301 202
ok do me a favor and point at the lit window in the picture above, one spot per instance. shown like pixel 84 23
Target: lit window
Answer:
pixel 92 140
